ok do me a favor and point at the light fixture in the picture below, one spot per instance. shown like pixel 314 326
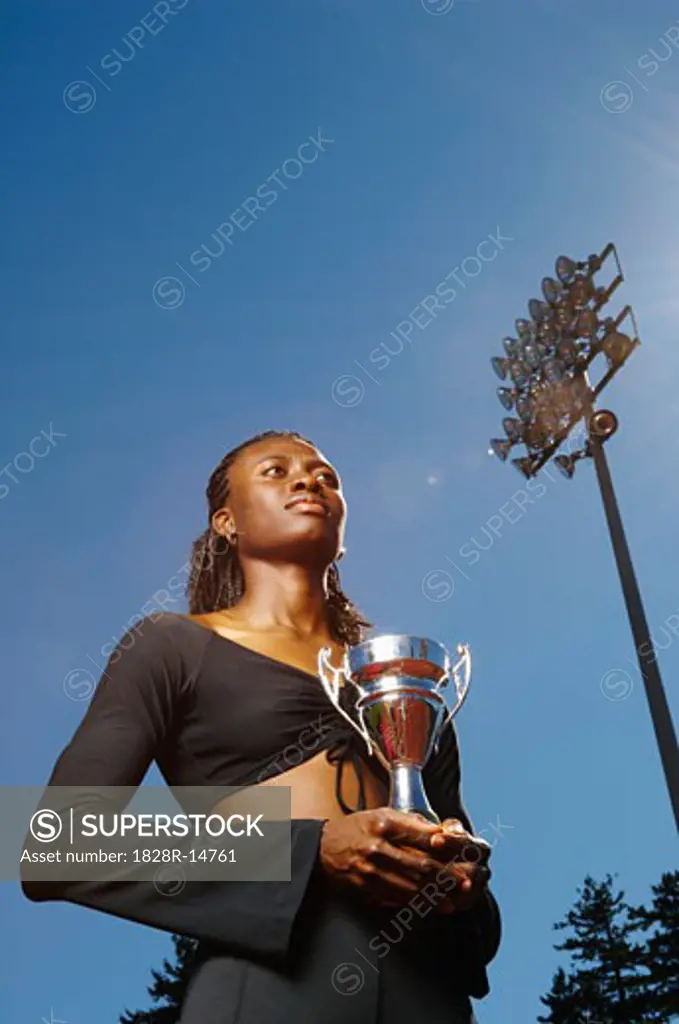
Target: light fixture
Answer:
pixel 565 464
pixel 552 290
pixel 501 366
pixel 553 370
pixel 585 324
pixel 603 424
pixel 566 269
pixel 564 313
pixel 518 373
pixel 537 434
pixel 526 465
pixel 539 310
pixel 514 429
pixel 500 447
pixel 523 408
pixel 506 396
pixel 525 329
pixel 511 347
pixel 581 291
pixel 548 333
pixel 532 356
pixel 617 347
pixel 568 352
pixel 546 343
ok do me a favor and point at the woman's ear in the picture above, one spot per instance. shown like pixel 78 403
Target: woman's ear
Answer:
pixel 222 524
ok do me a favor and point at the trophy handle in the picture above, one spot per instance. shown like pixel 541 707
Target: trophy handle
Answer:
pixel 332 690
pixel 460 681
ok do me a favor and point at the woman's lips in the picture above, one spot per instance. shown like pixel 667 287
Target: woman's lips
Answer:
pixel 310 506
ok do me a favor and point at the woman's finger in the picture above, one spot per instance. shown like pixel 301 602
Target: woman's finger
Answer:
pixel 404 828
pixel 463 845
pixel 382 879
pixel 406 858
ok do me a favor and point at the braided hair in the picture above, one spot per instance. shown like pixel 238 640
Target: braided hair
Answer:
pixel 216 578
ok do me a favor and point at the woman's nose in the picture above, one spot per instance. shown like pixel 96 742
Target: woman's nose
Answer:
pixel 306 482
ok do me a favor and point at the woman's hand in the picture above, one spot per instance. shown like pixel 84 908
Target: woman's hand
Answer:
pixel 464 857
pixel 391 856
pixel 385 854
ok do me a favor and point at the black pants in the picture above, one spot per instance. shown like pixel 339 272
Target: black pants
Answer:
pixel 348 964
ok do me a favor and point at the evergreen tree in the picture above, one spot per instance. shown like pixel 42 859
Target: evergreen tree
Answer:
pixel 660 955
pixel 169 988
pixel 565 1001
pixel 606 983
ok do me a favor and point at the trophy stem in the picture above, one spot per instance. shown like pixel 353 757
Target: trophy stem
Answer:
pixel 406 792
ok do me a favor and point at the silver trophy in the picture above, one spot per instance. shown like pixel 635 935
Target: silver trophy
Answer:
pixel 408 690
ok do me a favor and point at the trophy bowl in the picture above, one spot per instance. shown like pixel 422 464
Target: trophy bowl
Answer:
pixel 408 690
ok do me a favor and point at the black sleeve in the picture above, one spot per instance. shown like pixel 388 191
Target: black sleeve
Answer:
pixel 442 779
pixel 132 713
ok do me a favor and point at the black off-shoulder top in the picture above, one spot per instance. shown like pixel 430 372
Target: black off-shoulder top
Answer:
pixel 212 712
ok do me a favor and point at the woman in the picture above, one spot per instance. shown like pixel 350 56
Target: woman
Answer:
pixel 387 918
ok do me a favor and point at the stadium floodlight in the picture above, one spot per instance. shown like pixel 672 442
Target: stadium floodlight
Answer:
pixel 550 365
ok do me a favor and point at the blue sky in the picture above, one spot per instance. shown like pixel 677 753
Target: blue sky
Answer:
pixel 555 129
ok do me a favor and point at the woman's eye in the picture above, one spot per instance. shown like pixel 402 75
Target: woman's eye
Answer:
pixel 327 473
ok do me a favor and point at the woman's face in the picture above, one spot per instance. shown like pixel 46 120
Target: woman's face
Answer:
pixel 269 481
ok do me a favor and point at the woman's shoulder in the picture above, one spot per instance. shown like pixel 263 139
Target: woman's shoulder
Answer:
pixel 166 634
pixel 159 623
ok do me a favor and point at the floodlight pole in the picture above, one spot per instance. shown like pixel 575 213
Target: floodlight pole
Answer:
pixel 648 665
pixel 601 425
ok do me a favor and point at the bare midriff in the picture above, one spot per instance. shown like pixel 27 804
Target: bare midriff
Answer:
pixel 312 789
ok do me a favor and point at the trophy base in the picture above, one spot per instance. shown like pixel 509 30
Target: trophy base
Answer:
pixel 407 793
